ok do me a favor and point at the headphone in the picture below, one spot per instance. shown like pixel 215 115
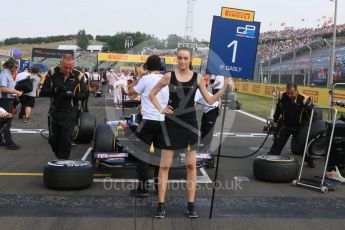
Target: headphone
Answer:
pixel 162 65
pixel 10 63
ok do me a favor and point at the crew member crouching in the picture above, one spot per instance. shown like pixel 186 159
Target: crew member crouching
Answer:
pixel 293 109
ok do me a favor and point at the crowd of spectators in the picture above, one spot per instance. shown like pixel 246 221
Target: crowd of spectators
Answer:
pixel 274 43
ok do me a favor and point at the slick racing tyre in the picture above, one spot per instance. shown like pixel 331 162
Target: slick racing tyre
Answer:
pixel 316 136
pixel 275 168
pixel 104 140
pixel 68 174
pixel 85 128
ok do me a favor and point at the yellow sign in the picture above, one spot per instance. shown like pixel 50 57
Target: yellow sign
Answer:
pixel 319 96
pixel 237 14
pixel 114 57
pixel 172 60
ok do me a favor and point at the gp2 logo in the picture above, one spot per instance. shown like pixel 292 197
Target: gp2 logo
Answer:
pixel 248 30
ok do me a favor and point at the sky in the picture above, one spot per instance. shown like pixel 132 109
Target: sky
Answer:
pixel 32 18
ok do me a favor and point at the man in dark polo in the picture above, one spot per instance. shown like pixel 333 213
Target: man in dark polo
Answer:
pixel 66 87
pixel 292 111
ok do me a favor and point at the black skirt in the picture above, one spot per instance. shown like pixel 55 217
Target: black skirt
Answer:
pixel 181 132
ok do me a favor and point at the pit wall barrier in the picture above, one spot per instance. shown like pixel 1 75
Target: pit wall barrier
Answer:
pixel 319 96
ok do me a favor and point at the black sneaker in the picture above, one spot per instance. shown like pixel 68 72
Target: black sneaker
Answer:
pixel 191 213
pixel 73 145
pixel 139 193
pixel 2 143
pixel 12 146
pixel 160 211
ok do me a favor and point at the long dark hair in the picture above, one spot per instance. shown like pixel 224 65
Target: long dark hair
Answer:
pixel 191 55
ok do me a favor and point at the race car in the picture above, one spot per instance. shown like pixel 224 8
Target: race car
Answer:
pixel 114 146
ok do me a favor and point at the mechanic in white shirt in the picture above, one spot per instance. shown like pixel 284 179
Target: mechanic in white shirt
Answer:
pixel 218 84
pixel 209 117
pixel 150 128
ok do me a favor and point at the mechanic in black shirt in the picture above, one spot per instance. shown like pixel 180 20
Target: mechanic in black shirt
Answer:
pixel 66 87
pixel 293 109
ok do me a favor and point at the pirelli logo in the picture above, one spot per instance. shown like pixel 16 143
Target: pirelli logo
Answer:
pixel 311 92
pixel 238 14
pixel 269 90
pixel 256 89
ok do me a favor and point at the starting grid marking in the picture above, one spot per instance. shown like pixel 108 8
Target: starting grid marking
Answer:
pixel 252 116
pixel 243 135
pixel 38 131
pixel 28 131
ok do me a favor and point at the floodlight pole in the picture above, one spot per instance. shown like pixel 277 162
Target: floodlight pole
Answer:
pixel 332 57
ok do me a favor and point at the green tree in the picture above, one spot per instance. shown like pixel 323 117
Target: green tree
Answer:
pixel 173 41
pixel 116 43
pixel 82 39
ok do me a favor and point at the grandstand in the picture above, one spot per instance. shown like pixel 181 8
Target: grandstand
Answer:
pixel 273 44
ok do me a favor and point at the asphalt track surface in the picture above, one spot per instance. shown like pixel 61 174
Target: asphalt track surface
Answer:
pixel 26 204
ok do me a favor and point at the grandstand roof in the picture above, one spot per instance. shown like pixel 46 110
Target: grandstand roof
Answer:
pixel 95 47
pixel 68 47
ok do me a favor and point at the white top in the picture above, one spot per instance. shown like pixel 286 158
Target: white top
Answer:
pixel 96 77
pixel 122 82
pixel 202 104
pixel 22 76
pixel 220 79
pixel 144 87
pixel 36 81
pixel 2 110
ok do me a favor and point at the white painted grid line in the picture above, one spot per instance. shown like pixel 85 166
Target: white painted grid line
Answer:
pixel 86 154
pixel 252 116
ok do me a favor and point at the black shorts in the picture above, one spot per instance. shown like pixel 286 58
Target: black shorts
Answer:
pixel 149 132
pixel 182 132
pixel 27 101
